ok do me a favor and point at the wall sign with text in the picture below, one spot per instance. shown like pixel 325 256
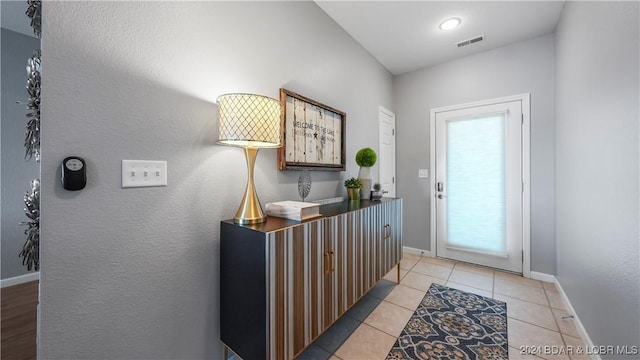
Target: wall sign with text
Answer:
pixel 313 133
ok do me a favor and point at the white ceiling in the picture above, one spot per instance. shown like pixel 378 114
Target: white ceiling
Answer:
pixel 404 35
pixel 13 17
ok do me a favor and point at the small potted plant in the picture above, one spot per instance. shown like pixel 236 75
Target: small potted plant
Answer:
pixel 366 158
pixel 376 193
pixel 353 186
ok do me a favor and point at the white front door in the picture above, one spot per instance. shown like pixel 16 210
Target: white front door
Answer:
pixel 387 158
pixel 479 185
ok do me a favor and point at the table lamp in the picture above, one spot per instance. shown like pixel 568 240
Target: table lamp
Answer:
pixel 251 122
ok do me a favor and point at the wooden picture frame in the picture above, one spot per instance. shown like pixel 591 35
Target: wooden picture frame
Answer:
pixel 313 135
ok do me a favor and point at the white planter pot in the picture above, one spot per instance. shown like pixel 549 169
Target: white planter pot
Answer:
pixel 365 176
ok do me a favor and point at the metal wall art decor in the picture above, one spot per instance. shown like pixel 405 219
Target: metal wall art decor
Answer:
pixel 304 184
pixel 34 12
pixel 30 253
pixel 32 133
pixel 313 135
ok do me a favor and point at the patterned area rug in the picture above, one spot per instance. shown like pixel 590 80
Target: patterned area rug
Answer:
pixel 454 324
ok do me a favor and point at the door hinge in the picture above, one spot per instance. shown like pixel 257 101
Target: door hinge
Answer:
pixel 393 132
pixel 523 186
pixel 393 179
pixel 522 118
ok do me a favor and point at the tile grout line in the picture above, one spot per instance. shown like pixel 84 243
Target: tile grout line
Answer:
pixel 554 318
pixel 530 302
pixel 405 325
pixel 532 324
pixel 473 287
pixel 451 272
pixel 543 328
pixel 557 330
pixel 523 283
pixel 546 306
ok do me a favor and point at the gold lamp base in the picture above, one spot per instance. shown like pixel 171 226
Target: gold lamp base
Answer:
pixel 250 211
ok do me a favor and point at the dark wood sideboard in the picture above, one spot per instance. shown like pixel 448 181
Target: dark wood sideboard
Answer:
pixel 284 282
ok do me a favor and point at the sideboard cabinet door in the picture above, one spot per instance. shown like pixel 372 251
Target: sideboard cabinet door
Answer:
pixel 342 235
pixel 300 287
pixel 284 283
pixel 392 234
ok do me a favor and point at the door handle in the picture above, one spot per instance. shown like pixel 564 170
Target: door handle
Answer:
pixel 327 263
pixel 387 232
pixel 331 261
pixel 440 196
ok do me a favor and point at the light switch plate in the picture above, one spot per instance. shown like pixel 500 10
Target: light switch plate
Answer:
pixel 141 173
pixel 423 173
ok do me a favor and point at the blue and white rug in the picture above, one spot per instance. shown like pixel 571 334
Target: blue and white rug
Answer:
pixel 454 324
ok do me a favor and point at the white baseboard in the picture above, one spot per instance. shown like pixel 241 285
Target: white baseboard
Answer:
pixel 19 279
pixel 411 250
pixel 576 320
pixel 543 277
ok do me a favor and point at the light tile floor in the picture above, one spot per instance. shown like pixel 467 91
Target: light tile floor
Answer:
pixel 536 314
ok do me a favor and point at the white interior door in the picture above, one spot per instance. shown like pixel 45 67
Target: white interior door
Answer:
pixel 479 185
pixel 387 158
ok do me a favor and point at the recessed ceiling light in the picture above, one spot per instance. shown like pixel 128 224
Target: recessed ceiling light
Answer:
pixel 450 23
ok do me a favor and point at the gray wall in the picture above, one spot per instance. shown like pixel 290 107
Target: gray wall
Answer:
pixel 525 67
pixel 133 273
pixel 16 174
pixel 597 215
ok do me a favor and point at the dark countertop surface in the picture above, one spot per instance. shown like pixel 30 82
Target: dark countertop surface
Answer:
pixel 275 223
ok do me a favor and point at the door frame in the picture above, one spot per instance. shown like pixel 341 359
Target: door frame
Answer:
pixel 390 113
pixel 526 170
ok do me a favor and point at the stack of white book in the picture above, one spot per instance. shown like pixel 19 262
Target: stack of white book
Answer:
pixel 293 210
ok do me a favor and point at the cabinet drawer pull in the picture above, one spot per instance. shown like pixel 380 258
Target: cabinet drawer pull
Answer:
pixel 387 232
pixel 327 263
pixel 333 268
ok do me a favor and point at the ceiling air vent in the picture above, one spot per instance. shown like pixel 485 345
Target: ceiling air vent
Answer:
pixel 471 41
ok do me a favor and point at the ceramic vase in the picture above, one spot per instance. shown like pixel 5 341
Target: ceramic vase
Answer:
pixel 365 177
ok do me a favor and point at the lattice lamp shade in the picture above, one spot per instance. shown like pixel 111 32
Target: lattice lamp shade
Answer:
pixel 248 120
